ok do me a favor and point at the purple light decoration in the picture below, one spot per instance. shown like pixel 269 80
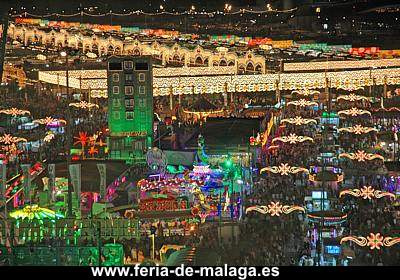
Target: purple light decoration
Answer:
pixel 392 184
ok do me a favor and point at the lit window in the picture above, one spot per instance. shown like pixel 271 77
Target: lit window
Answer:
pixel 128 90
pixel 142 90
pixel 129 115
pixel 142 102
pixel 116 103
pixel 129 103
pixel 116 89
pixel 128 65
pixel 128 77
pixel 116 115
pixel 115 77
pixel 142 77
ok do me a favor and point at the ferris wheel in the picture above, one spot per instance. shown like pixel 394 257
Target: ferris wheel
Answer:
pixel 156 160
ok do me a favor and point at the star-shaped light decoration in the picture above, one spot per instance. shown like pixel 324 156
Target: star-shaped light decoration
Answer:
pixel 284 169
pixel 292 139
pixel 275 209
pixel 49 120
pixel 302 103
pixel 84 105
pixel 354 112
pixel 305 92
pixel 352 97
pixel 15 112
pixel 358 129
pixel 367 192
pixel 373 240
pixel 298 120
pixel 361 155
pixel 7 139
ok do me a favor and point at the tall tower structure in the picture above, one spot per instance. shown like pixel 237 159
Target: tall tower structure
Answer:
pixel 130 106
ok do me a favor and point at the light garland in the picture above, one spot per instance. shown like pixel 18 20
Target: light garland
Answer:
pixel 313 178
pixel 292 139
pixel 306 92
pixel 284 169
pixel 7 139
pixel 49 136
pixel 84 105
pixel 298 120
pixel 49 120
pixel 275 209
pixel 191 11
pixel 352 97
pixel 358 129
pixel 361 155
pixel 15 112
pixel 373 241
pixel 162 86
pixel 350 87
pixel 367 192
pixel 354 112
pixel 302 103
pixel 346 64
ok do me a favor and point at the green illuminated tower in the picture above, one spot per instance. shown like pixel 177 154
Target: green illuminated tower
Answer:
pixel 130 105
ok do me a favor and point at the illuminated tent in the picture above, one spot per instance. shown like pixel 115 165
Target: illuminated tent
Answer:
pixel 202 108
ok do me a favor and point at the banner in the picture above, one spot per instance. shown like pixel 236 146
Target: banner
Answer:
pixel 103 175
pixel 3 180
pixel 75 173
pixel 51 170
pixel 27 181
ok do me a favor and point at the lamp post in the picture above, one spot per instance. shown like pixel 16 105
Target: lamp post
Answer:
pixel 68 134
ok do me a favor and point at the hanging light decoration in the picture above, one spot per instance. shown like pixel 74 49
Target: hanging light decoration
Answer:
pixel 350 87
pixel 7 139
pixel 302 103
pixel 305 92
pixel 373 241
pixel 49 120
pixel 15 112
pixel 49 136
pixel 298 120
pixel 284 169
pixel 354 112
pixel 367 192
pixel 352 97
pixel 358 129
pixel 361 156
pixel 275 209
pixel 292 139
pixel 84 105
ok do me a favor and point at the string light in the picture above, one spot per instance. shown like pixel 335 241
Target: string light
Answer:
pixel 84 105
